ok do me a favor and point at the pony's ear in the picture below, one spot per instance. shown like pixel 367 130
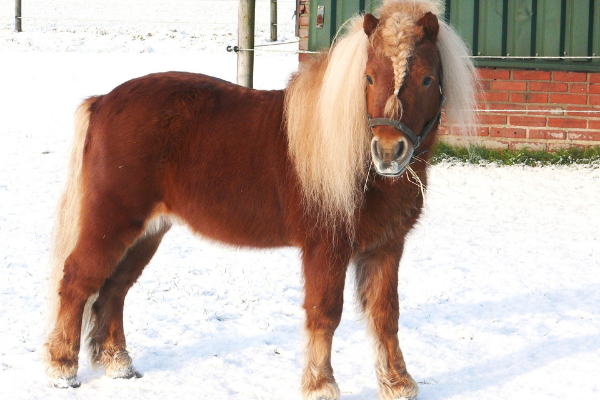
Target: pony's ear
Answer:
pixel 430 25
pixel 370 24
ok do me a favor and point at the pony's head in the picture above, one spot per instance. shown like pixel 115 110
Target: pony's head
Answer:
pixel 403 86
pixel 371 100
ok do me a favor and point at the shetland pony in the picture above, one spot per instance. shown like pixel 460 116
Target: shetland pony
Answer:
pixel 321 165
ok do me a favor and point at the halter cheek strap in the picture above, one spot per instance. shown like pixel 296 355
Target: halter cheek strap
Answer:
pixel 415 139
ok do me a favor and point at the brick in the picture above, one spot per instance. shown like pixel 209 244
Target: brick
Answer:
pixel 493 144
pixel 594 124
pixel 443 130
pixel 594 88
pixel 528 121
pixel 556 135
pixel 456 131
pixel 487 119
pixel 568 98
pixel 492 73
pixel 304 20
pixel 581 136
pixel 507 106
pixel 303 32
pixel 509 85
pixel 562 76
pixel 529 97
pixel 595 78
pixel 510 132
pixel 303 44
pixel 535 146
pixel 548 87
pixel 485 85
pixel 497 132
pixel 579 88
pixel 567 123
pixel 532 75
pixel 482 131
pixel 494 96
pixel 545 110
pixel 559 146
pixel 536 134
pixel 547 134
pixel 595 100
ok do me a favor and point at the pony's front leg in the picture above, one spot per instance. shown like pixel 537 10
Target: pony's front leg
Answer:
pixel 377 286
pixel 324 276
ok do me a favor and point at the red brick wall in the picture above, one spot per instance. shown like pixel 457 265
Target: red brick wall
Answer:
pixel 540 110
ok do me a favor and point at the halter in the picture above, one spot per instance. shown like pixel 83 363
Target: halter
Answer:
pixel 406 131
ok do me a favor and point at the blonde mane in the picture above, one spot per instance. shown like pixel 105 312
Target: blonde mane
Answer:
pixel 327 128
pixel 325 103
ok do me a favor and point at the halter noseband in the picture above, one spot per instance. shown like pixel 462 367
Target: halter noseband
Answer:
pixel 406 131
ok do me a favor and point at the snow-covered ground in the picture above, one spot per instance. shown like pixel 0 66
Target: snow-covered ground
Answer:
pixel 500 288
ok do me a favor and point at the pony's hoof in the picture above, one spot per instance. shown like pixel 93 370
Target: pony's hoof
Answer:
pixel 125 373
pixel 328 391
pixel 405 388
pixel 65 383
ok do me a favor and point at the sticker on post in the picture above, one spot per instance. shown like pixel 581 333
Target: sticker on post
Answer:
pixel 320 16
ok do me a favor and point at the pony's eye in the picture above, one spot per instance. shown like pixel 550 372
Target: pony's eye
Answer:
pixel 427 81
pixel 369 79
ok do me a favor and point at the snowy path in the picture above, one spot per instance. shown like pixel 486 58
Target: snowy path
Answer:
pixel 499 282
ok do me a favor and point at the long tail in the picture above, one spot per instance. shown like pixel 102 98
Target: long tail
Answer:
pixel 66 230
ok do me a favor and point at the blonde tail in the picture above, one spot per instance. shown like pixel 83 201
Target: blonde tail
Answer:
pixel 66 229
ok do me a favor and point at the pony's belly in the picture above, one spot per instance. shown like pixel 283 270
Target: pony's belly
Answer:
pixel 246 232
pixel 253 219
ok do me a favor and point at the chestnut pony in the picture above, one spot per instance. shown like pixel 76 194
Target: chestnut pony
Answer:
pixel 329 165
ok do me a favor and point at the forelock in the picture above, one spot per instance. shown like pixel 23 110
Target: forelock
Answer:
pixel 398 33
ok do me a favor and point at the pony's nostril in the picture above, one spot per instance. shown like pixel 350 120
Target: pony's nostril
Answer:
pixel 400 150
pixel 376 149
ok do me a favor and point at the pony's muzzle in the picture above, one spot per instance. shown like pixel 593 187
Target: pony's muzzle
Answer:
pixel 391 156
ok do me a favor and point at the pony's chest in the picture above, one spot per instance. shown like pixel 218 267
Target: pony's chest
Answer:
pixel 388 214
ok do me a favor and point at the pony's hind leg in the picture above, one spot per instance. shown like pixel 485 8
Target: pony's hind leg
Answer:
pixel 377 286
pixel 324 276
pixel 106 341
pixel 103 239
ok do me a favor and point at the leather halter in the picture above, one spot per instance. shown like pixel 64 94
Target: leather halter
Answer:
pixel 406 131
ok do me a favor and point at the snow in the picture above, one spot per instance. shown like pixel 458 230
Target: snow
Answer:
pixel 499 281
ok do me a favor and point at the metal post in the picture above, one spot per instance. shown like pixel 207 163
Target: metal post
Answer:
pixel 245 68
pixel 18 15
pixel 273 20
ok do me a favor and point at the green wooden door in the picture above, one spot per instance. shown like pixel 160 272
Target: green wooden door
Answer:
pixel 530 33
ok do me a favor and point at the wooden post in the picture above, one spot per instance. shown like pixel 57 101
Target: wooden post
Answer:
pixel 18 15
pixel 273 20
pixel 245 67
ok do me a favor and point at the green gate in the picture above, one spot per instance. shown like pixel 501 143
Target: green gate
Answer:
pixel 546 34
